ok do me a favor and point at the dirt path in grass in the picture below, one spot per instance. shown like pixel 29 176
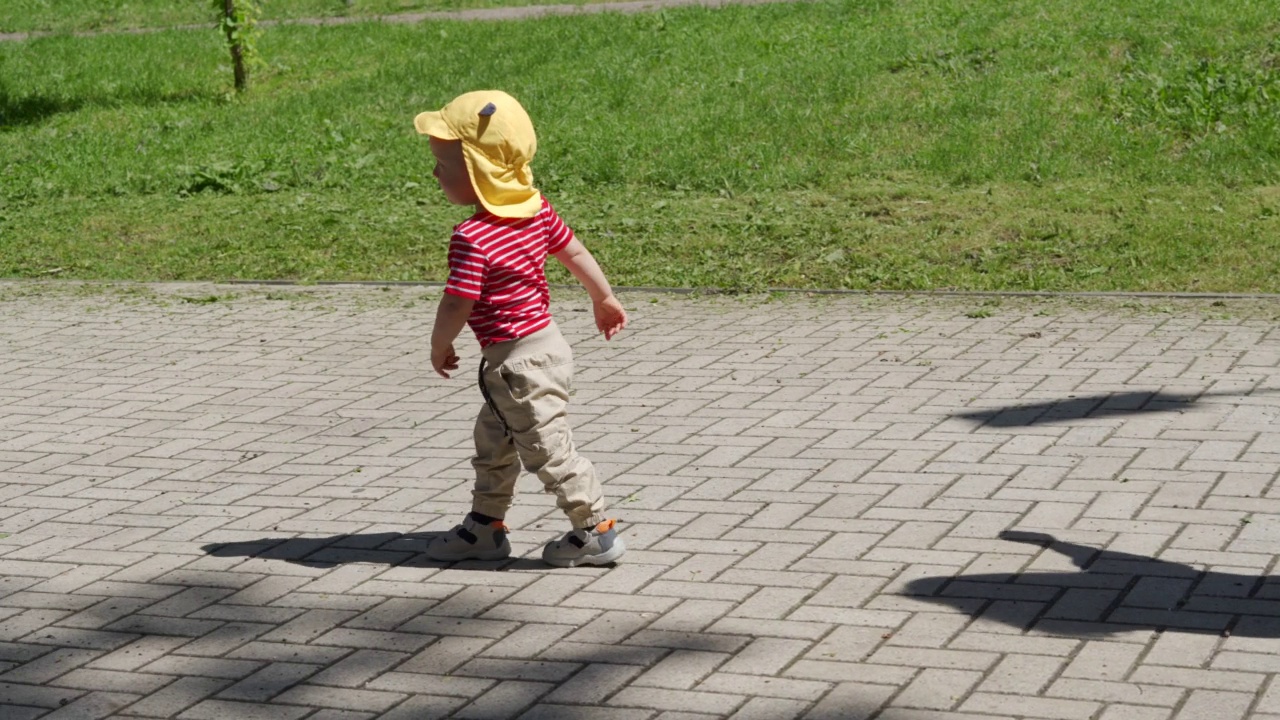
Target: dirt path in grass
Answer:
pixel 498 13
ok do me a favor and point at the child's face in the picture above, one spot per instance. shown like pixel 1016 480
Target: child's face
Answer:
pixel 451 172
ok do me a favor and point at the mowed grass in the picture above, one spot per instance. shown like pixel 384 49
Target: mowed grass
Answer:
pixel 866 145
pixel 90 15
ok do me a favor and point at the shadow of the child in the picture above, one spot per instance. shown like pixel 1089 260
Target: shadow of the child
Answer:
pixel 390 548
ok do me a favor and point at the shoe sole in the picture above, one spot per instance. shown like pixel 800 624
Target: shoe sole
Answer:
pixel 605 558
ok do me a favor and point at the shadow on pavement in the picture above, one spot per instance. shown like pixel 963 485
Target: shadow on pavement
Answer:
pixel 1114 592
pixel 211 639
pixel 1092 406
pixel 390 548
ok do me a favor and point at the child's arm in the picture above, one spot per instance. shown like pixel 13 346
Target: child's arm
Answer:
pixel 451 317
pixel 610 317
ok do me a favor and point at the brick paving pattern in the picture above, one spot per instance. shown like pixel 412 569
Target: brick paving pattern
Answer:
pixel 213 501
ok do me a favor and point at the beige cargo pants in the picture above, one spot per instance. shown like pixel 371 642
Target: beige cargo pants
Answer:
pixel 526 387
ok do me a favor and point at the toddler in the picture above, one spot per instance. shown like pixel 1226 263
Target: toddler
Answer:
pixel 483 143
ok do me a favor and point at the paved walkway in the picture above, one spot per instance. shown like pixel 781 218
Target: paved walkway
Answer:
pixel 215 500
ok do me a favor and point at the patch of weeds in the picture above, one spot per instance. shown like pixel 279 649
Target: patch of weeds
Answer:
pixel 203 300
pixel 979 313
pixel 228 178
pixel 947 62
pixel 1205 96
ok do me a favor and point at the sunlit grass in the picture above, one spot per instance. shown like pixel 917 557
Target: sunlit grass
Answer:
pixel 849 144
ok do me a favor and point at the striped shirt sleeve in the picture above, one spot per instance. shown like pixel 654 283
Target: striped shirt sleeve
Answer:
pixel 468 267
pixel 558 233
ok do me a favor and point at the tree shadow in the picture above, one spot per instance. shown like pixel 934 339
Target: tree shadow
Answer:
pixel 34 108
pixel 31 109
pixel 390 548
pixel 1114 592
pixel 216 639
pixel 1091 406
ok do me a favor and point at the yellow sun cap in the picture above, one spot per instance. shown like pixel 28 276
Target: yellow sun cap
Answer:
pixel 498 143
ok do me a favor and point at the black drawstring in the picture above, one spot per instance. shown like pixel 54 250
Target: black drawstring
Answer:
pixel 488 399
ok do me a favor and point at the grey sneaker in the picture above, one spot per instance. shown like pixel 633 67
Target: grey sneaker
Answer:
pixel 599 545
pixel 471 541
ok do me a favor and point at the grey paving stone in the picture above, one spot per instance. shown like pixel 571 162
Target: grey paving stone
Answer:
pixel 1114 692
pixel 592 652
pixel 547 711
pixel 20 694
pixel 450 685
pixel 1035 707
pixel 19 712
pixel 47 667
pixel 176 697
pixel 136 654
pixel 93 706
pixel 679 700
pixel 504 700
pixel 763 708
pixel 218 709
pixel 207 667
pixel 329 714
pixel 288 652
pixel 112 681
pixel 341 698
pixel 359 667
pixel 681 669
pixel 593 684
pixel 938 689
pixel 424 707
pixel 500 669
pixel 804 690
pixel 268 682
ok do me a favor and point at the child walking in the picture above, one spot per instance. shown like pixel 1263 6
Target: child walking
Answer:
pixel 483 143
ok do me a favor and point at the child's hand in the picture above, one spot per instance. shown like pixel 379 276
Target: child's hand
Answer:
pixel 443 358
pixel 610 317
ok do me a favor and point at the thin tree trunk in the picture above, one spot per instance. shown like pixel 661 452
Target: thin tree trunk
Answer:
pixel 237 53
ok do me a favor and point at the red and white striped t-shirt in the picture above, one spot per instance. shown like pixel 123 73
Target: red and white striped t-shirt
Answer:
pixel 499 262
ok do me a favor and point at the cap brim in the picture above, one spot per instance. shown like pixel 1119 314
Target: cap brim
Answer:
pixel 432 123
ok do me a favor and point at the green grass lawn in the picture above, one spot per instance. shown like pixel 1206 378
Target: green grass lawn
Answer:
pixel 73 15
pixel 1046 145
